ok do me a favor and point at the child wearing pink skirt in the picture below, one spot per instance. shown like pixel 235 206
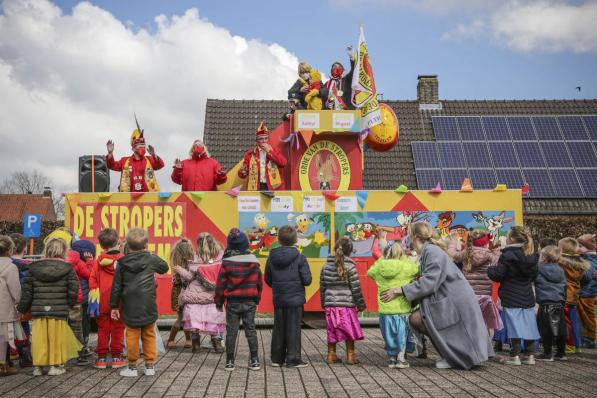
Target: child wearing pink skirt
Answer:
pixel 200 315
pixel 341 296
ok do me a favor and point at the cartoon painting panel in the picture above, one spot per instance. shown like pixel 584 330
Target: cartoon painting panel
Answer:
pixel 313 230
pixel 367 229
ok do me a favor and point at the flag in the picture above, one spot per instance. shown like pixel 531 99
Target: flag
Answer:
pixel 364 94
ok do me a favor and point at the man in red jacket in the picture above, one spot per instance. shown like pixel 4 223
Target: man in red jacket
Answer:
pixel 261 164
pixel 138 170
pixel 199 173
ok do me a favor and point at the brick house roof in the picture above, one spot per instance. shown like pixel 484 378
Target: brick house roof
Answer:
pixel 230 125
pixel 14 206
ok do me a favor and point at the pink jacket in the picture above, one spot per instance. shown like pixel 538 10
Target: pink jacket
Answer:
pixel 481 259
pixel 201 278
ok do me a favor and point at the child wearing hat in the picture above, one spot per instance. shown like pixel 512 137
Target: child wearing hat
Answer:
pixel 239 286
pixel 588 292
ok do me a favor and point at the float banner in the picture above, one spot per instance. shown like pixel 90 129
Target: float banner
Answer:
pixel 327 121
pixel 164 222
pixel 364 93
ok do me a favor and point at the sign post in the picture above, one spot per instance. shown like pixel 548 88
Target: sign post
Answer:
pixel 31 228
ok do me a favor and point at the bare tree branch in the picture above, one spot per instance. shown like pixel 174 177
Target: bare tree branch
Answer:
pixel 32 182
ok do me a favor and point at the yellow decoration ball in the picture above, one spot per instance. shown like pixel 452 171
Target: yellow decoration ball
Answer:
pixel 384 136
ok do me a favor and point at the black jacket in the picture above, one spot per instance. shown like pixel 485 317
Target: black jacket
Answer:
pixel 49 290
pixel 336 292
pixel 287 273
pixel 550 284
pixel 516 273
pixel 134 287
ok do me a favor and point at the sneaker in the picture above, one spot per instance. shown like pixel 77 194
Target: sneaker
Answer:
pixel 254 364
pixel 588 343
pixel 85 353
pixel 277 365
pixel 129 372
pixel 528 360
pixel 392 363
pixel 402 365
pixel 101 363
pixel 299 364
pixel 443 364
pixel 544 358
pixel 56 371
pixel 229 366
pixel 570 349
pixel 81 361
pixel 37 371
pixel 118 362
pixel 513 361
pixel 560 358
pixel 149 370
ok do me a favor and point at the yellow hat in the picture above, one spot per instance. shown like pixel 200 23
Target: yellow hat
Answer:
pixel 61 233
pixel 137 136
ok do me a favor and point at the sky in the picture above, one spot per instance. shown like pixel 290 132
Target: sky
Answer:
pixel 73 73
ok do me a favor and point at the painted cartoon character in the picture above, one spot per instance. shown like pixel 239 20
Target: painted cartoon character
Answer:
pixel 493 224
pixel 444 222
pixel 368 230
pixel 326 171
pixel 302 222
pixel 261 221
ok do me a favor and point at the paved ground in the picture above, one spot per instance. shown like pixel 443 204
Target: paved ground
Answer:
pixel 181 373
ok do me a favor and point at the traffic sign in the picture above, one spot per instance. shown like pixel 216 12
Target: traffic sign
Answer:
pixel 32 225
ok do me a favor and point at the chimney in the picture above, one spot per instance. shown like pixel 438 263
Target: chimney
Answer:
pixel 47 192
pixel 428 89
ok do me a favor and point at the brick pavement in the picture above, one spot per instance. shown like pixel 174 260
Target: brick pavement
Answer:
pixel 181 373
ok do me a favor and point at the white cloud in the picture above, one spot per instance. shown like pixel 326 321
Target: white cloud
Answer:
pixel 536 26
pixel 431 6
pixel 69 82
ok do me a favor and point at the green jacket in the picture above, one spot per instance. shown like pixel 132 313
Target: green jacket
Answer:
pixel 391 273
pixel 134 288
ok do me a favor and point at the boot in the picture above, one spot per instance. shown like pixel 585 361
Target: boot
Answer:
pixel 196 343
pixel 351 356
pixel 25 360
pixel 188 343
pixel 172 338
pixel 217 345
pixel 6 370
pixel 332 357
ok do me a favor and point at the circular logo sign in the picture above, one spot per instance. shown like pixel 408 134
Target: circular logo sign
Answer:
pixel 324 166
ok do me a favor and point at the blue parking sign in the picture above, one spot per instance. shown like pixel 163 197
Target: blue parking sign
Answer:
pixel 32 225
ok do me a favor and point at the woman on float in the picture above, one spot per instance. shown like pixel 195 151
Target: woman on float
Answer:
pixel 449 312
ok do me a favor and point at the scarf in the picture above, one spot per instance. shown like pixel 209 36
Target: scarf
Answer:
pixel 150 180
pixel 275 180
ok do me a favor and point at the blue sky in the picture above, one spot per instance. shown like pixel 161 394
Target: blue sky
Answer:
pixel 404 40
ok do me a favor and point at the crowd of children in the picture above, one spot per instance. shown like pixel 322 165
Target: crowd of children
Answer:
pixel 217 286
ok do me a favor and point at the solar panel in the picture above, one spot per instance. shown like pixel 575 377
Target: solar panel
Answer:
pixel 476 154
pixel 555 154
pixel 483 178
pixel 511 177
pixel 529 154
pixel 450 154
pixel 453 178
pixel 573 128
pixel 582 153
pixel 539 183
pixel 547 128
pixel 428 179
pixel 591 123
pixel 521 128
pixel 425 154
pixel 502 154
pixel 496 128
pixel 588 180
pixel 470 129
pixel 565 183
pixel 445 129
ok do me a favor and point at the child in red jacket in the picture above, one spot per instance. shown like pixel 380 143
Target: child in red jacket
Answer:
pixel 110 333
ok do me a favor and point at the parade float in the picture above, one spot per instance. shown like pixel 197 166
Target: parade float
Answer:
pixel 318 189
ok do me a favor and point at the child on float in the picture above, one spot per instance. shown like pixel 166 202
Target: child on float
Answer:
pixel 133 299
pixel 575 268
pixel 200 315
pixel 50 289
pixel 110 332
pixel 515 271
pixel 10 294
pixel 394 270
pixel 342 299
pixel 287 273
pixel 550 289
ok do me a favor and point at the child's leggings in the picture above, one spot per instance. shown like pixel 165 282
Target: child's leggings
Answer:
pixel 529 347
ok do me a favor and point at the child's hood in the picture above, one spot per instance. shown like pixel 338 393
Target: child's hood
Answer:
pixel 552 273
pixel 107 261
pixel 525 265
pixel 50 270
pixel 481 256
pixel 136 262
pixel 283 256
pixel 392 268
pixel 575 265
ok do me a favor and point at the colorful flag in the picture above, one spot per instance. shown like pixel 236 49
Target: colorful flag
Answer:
pixel 364 94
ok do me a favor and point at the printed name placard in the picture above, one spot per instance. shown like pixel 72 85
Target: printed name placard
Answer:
pixel 249 203
pixel 346 204
pixel 282 204
pixel 342 120
pixel 313 204
pixel 308 120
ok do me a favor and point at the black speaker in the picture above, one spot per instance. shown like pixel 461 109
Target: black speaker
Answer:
pixel 100 168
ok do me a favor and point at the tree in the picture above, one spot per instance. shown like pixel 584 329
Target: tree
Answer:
pixel 32 182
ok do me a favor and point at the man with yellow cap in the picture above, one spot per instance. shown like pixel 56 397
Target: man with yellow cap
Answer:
pixel 138 170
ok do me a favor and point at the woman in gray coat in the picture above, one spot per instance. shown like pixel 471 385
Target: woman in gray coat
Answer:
pixel 449 312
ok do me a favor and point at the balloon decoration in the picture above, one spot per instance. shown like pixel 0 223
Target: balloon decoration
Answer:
pixel 384 136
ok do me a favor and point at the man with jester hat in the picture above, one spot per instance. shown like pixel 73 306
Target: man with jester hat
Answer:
pixel 138 170
pixel 200 172
pixel 340 85
pixel 261 164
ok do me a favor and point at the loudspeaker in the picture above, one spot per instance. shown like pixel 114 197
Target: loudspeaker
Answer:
pixel 101 174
